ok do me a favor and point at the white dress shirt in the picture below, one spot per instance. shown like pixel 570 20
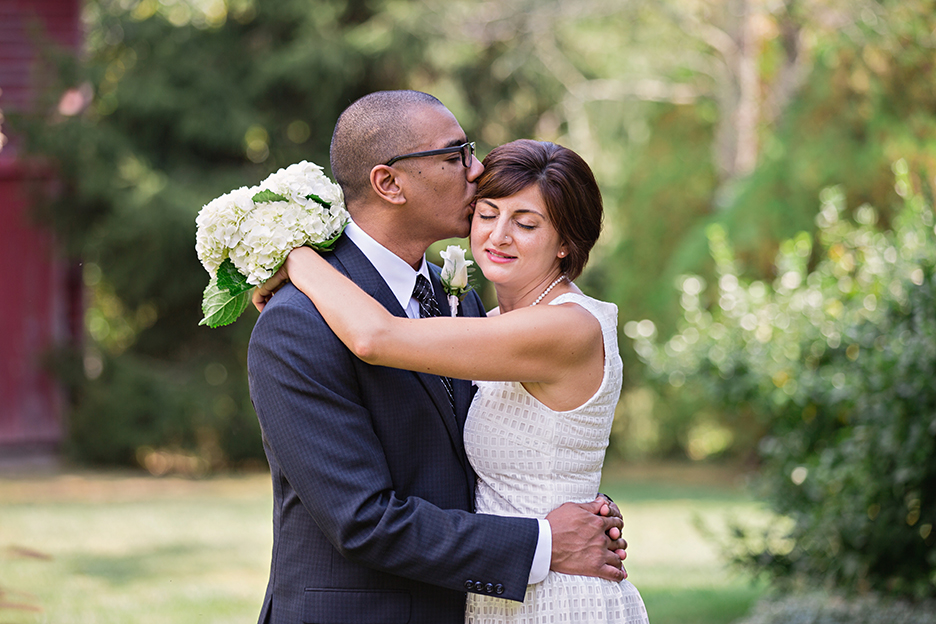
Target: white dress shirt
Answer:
pixel 401 278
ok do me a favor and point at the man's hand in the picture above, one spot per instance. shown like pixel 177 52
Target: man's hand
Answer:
pixel 580 541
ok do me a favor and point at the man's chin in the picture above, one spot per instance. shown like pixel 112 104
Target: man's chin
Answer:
pixel 462 231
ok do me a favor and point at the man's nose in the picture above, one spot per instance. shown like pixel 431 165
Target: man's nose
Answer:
pixel 475 169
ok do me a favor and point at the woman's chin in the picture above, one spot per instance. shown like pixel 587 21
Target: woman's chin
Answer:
pixel 493 273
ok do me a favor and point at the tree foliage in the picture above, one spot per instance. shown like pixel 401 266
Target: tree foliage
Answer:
pixel 837 362
pixel 690 113
pixel 855 113
pixel 185 109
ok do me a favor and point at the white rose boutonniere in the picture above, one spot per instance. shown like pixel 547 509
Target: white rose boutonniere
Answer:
pixel 245 235
pixel 455 275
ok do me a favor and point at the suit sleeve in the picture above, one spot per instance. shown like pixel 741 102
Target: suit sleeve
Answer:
pixel 304 384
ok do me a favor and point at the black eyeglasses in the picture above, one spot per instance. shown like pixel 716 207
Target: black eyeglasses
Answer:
pixel 466 150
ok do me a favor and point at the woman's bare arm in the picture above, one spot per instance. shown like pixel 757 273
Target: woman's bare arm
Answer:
pixel 536 344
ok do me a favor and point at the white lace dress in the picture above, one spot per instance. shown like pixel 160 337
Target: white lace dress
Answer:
pixel 531 459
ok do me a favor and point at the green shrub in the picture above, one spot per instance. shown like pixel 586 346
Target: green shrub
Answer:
pixel 126 410
pixel 839 363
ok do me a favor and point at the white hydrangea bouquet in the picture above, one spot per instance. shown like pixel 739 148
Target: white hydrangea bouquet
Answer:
pixel 244 236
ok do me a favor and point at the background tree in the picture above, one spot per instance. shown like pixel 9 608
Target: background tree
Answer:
pixel 691 113
pixel 837 362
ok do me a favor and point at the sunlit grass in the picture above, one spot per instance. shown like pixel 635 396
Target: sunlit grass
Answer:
pixel 122 548
pixel 135 550
pixel 678 571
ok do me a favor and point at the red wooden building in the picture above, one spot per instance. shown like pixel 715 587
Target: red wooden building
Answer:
pixel 40 306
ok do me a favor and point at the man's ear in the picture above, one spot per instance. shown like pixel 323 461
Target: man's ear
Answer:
pixel 386 183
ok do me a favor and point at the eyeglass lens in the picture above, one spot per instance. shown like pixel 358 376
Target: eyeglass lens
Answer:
pixel 467 151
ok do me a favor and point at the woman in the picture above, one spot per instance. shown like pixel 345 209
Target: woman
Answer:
pixel 546 360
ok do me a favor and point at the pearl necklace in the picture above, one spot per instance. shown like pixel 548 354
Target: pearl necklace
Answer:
pixel 548 288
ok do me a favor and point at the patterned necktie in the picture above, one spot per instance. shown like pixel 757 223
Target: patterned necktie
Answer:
pixel 428 306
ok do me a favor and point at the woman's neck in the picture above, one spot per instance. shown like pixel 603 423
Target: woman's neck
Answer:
pixel 510 298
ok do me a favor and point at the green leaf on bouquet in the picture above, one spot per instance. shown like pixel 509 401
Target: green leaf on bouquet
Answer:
pixel 315 197
pixel 326 245
pixel 230 279
pixel 267 195
pixel 220 307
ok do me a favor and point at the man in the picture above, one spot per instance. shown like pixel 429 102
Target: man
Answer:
pixel 373 492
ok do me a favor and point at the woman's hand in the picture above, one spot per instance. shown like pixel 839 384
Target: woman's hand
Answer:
pixel 262 293
pixel 300 263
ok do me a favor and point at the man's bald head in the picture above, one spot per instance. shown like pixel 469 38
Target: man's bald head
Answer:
pixel 370 132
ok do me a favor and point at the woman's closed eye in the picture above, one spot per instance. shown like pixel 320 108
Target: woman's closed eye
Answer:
pixel 491 216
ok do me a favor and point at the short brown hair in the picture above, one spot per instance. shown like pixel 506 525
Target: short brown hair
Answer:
pixel 567 184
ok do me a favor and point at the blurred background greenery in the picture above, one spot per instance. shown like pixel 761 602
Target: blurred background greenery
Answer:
pixel 767 167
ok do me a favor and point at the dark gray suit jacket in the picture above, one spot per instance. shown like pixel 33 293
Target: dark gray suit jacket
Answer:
pixel 373 493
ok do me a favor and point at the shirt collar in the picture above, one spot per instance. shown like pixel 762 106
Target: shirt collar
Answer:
pixel 399 276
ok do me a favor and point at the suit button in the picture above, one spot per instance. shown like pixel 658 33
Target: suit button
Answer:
pixel 478 586
pixel 489 588
pixel 469 585
pixel 498 589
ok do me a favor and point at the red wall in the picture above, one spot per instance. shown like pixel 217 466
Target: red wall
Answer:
pixel 40 301
pixel 35 316
pixel 59 19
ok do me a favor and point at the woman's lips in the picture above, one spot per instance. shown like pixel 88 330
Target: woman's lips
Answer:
pixel 498 257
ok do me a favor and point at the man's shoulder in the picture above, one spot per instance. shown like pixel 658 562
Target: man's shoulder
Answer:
pixel 288 295
pixel 288 306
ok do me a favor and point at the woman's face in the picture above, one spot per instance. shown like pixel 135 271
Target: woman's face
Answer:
pixel 513 240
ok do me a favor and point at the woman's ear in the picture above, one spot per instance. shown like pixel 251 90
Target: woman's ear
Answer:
pixel 386 183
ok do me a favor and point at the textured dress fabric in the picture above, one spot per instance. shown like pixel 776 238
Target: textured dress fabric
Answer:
pixel 531 459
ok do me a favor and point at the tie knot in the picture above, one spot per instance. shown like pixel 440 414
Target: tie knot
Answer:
pixel 428 306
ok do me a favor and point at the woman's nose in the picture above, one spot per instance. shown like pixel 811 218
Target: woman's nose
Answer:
pixel 500 234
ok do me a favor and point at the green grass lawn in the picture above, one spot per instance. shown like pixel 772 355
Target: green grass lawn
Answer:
pixel 678 572
pixel 124 548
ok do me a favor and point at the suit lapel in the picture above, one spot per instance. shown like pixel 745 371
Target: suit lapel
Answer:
pixel 352 262
pixel 461 389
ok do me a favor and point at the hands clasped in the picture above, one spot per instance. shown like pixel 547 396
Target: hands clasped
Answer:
pixel 587 541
